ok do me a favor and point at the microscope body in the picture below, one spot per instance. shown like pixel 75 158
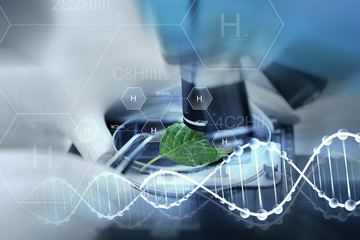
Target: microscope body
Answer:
pixel 215 102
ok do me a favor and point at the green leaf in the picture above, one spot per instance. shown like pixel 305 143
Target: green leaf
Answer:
pixel 186 146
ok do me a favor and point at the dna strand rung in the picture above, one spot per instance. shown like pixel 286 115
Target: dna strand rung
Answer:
pixel 318 171
pixel 109 195
pixel 52 200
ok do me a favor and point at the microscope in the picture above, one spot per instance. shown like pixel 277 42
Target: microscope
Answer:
pixel 215 37
pixel 208 46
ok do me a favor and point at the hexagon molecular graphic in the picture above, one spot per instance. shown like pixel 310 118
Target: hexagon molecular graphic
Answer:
pixel 133 98
pixel 199 98
pixel 224 141
pixel 4 24
pixel 154 128
pixel 87 130
pixel 238 28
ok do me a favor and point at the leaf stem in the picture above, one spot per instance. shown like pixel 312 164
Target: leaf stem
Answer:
pixel 150 162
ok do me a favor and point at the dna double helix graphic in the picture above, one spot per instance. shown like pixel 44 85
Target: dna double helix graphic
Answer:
pixel 110 195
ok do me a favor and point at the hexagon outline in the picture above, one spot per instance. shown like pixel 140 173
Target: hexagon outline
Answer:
pixel 141 93
pixel 217 149
pixel 187 98
pixel 282 24
pixel 149 120
pixel 77 131
pixel 8 22
pixel 2 176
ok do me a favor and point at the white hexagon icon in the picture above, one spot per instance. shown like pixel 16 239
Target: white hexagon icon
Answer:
pixel 224 141
pixel 228 30
pixel 199 98
pixel 154 129
pixel 87 130
pixel 133 98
